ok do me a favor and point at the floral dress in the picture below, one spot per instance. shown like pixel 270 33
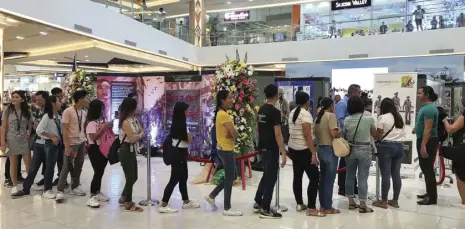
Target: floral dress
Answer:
pixel 17 134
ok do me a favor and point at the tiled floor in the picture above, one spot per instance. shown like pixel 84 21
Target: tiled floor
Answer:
pixel 36 213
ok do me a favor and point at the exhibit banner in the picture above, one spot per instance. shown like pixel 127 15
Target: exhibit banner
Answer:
pixel 402 89
pixel 291 87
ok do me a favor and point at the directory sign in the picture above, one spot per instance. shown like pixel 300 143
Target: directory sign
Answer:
pixel 349 4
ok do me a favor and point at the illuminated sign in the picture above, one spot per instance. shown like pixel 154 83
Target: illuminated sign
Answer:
pixel 237 15
pixel 349 4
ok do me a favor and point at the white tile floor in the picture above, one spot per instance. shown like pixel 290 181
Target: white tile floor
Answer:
pixel 36 213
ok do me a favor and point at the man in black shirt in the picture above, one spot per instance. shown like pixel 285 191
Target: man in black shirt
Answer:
pixel 270 144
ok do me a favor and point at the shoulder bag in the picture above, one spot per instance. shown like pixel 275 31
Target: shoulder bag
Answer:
pixel 341 147
pixel 384 136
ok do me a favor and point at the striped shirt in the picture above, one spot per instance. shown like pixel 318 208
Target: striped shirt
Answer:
pixel 296 131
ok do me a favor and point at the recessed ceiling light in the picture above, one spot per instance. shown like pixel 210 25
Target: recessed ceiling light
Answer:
pixel 250 0
pixel 87 60
pixel 43 33
pixel 134 16
pixel 86 56
pixel 19 37
pixel 149 14
pixel 78 61
pixel 229 2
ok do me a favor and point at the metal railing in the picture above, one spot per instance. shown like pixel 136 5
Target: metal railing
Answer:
pixel 315 30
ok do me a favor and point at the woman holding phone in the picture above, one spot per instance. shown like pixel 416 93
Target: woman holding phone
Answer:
pixel 95 127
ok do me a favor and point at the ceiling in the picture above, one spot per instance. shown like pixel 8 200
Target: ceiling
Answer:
pixel 29 43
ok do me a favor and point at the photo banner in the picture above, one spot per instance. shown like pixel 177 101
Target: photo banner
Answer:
pixel 402 89
pixel 291 87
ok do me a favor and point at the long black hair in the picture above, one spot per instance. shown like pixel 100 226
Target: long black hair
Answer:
pixel 301 98
pixel 388 106
pixel 51 100
pixel 325 104
pixel 220 97
pixel 128 107
pixel 429 91
pixel 178 125
pixel 25 111
pixel 95 111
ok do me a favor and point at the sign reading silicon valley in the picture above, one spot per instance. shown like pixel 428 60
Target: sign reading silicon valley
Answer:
pixel 241 15
pixel 349 4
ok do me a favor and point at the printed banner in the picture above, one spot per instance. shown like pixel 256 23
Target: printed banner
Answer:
pixel 291 87
pixel 402 88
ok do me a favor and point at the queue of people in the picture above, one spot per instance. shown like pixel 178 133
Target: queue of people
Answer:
pixel 65 133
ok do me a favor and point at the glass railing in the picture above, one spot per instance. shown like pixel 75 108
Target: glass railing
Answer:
pixel 339 29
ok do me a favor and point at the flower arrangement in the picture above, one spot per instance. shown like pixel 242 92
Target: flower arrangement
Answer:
pixel 234 76
pixel 78 80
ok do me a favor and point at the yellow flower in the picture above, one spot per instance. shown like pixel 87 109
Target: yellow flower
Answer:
pixel 233 88
pixel 243 64
pixel 257 108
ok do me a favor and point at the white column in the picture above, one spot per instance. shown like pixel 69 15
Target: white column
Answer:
pixel 198 20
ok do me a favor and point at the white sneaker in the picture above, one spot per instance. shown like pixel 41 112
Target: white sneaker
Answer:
pixel 60 197
pixel 461 206
pixel 14 190
pixel 93 202
pixel 37 188
pixel 190 205
pixel 167 209
pixel 49 194
pixel 231 212
pixel 211 202
pixel 102 198
pixel 77 192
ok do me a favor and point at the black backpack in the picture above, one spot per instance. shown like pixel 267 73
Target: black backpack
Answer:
pixel 168 149
pixel 113 157
pixel 442 133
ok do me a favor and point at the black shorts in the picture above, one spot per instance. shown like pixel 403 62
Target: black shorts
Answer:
pixel 458 167
pixel 418 21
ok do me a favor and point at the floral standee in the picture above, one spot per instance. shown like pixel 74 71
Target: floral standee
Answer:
pixel 78 80
pixel 234 76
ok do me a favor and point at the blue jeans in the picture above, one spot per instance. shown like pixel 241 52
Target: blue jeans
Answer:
pixel 229 162
pixel 390 156
pixel 359 158
pixel 328 167
pixel 42 152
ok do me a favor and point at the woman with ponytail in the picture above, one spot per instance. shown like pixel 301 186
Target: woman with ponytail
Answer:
pixel 303 154
pixel 225 135
pixel 325 130
pixel 391 133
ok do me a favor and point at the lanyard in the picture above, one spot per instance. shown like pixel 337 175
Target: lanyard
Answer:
pixel 79 118
pixel 19 120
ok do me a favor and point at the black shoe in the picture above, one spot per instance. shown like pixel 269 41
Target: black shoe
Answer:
pixel 19 194
pixel 423 196
pixel 256 208
pixel 55 182
pixel 267 214
pixel 40 183
pixel 20 180
pixel 341 193
pixel 8 183
pixel 427 201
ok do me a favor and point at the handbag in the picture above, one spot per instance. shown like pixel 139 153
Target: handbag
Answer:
pixel 454 153
pixel 384 136
pixel 340 147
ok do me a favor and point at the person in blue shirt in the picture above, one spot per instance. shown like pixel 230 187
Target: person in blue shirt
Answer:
pixel 341 114
pixel 426 130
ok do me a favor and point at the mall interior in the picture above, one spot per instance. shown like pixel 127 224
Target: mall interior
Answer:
pixel 166 51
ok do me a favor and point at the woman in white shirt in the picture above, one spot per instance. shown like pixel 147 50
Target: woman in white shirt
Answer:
pixel 303 154
pixel 391 133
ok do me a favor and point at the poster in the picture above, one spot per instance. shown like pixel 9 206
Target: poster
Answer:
pixel 291 87
pixel 191 97
pixel 402 88
pixel 120 91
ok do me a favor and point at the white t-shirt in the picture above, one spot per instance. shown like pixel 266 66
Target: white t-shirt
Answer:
pixel 385 122
pixel 182 144
pixel 296 130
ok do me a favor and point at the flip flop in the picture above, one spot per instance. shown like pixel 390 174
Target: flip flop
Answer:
pixel 315 212
pixel 133 208
pixel 365 209
pixel 332 211
pixel 353 206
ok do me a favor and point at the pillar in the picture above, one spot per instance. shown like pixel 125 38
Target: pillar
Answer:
pixel 2 77
pixel 197 21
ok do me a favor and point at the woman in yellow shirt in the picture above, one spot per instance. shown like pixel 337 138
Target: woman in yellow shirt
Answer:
pixel 225 135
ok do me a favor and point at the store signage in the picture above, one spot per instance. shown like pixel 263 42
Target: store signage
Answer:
pixel 349 4
pixel 237 15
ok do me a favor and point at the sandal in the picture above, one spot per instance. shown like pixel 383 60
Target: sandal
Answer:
pixel 133 208
pixel 315 212
pixel 380 204
pixel 332 211
pixel 365 210
pixel 122 201
pixel 393 203
pixel 353 206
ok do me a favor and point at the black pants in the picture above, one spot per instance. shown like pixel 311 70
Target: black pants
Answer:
pixel 265 189
pixel 301 162
pixel 341 177
pixel 427 166
pixel 7 168
pixel 42 152
pixel 129 163
pixel 179 174
pixel 99 163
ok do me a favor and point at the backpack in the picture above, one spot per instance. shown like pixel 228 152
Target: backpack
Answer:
pixel 442 133
pixel 168 149
pixel 113 157
pixel 106 141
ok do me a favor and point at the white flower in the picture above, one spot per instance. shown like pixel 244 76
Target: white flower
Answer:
pixel 241 127
pixel 228 82
pixel 249 73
